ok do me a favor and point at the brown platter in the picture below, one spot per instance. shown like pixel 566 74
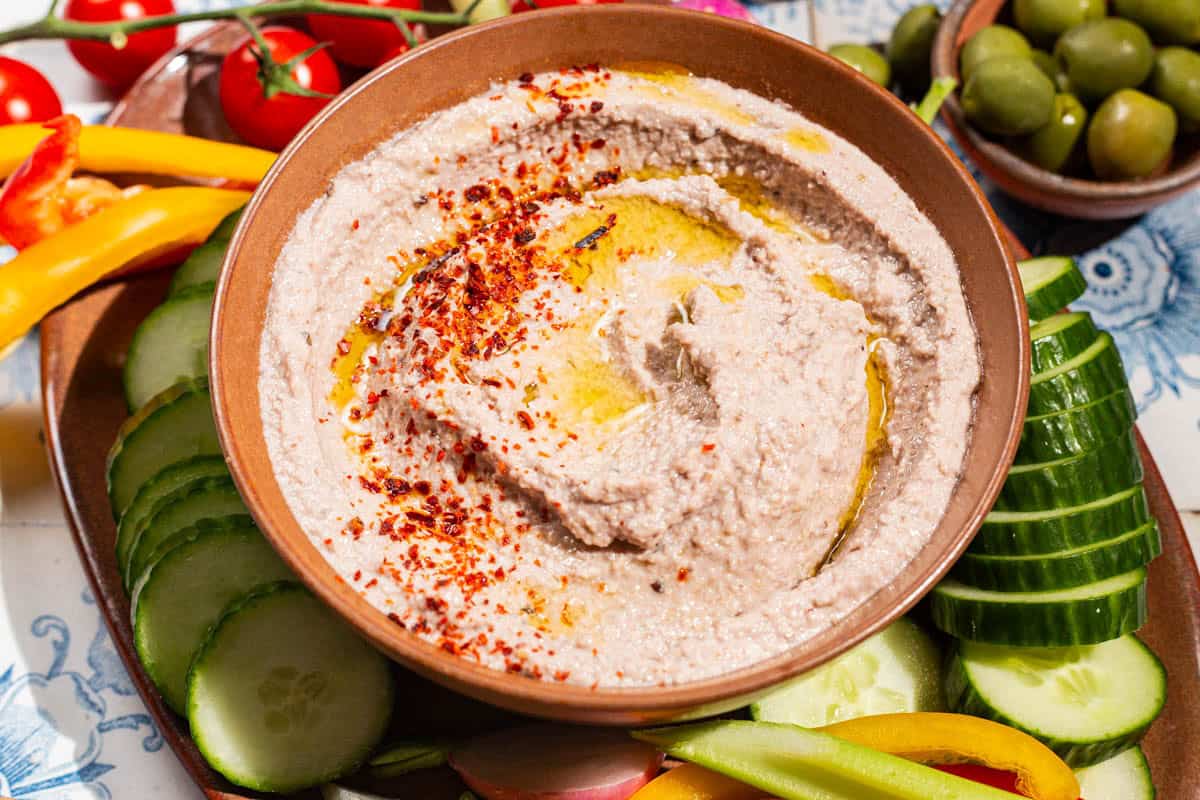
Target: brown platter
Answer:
pixel 83 345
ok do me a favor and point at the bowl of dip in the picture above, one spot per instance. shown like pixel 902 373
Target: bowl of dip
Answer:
pixel 614 364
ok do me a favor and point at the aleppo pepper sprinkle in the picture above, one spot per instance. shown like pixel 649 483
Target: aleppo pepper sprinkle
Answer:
pixel 459 313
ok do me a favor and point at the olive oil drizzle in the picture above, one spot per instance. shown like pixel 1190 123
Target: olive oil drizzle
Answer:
pixel 593 245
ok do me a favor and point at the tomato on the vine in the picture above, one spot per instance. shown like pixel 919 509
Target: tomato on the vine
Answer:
pixel 268 97
pixel 25 94
pixel 521 5
pixel 120 68
pixel 362 42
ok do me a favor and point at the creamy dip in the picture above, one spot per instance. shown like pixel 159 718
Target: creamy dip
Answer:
pixel 617 377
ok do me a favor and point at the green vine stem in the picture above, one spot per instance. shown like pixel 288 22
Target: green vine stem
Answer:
pixel 53 26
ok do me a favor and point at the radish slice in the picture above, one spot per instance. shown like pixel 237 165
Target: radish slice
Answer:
pixel 556 762
pixel 722 8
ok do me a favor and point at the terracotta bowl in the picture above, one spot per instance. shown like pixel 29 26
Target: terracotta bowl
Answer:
pixel 1073 197
pixel 461 65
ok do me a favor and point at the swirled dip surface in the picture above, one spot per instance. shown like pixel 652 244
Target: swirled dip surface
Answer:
pixel 617 378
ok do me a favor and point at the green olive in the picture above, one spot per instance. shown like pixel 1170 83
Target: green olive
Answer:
pixel 1045 20
pixel 1051 146
pixel 1130 136
pixel 1008 96
pixel 867 60
pixel 1046 63
pixel 1049 66
pixel 1168 21
pixel 994 41
pixel 1176 81
pixel 908 49
pixel 1105 55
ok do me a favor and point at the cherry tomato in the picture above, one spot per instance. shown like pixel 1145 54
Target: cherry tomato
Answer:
pixel 25 94
pixel 520 5
pixel 120 68
pixel 257 90
pixel 361 42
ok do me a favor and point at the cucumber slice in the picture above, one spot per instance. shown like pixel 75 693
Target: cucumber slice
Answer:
pixel 163 483
pixel 1020 533
pixel 896 670
pixel 1090 376
pixel 1077 430
pixel 204 264
pixel 203 498
pixel 1085 703
pixel 1039 573
pixel 1060 338
pixel 1051 284
pixel 1072 481
pixel 284 695
pixel 174 425
pixel 169 346
pixel 191 580
pixel 1096 612
pixel 1123 777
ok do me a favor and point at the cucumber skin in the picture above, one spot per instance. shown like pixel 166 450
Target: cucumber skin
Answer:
pixel 1086 621
pixel 254 596
pixel 1148 789
pixel 203 465
pixel 1054 534
pixel 204 442
pixel 187 276
pixel 1090 381
pixel 962 697
pixel 141 555
pixel 1048 352
pixel 1056 295
pixel 1085 478
pixel 203 291
pixel 1077 430
pixel 1049 573
pixel 236 525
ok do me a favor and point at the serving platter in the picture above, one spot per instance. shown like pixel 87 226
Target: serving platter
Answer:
pixel 83 345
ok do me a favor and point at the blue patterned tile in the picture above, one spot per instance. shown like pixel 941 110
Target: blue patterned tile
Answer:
pixel 54 720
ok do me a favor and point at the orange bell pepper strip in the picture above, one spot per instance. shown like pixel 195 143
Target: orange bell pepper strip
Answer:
pixel 934 738
pixel 138 229
pixel 108 149
pixel 693 782
pixel 41 197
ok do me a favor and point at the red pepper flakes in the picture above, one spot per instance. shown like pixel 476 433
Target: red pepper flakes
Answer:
pixel 683 574
pixel 596 107
pixel 606 177
pixel 708 447
pixel 525 419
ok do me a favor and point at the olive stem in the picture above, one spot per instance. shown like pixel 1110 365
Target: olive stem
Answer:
pixel 52 26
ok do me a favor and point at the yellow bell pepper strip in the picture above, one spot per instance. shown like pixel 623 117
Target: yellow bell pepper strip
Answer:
pixel 692 782
pixel 109 149
pixel 795 763
pixel 138 229
pixel 934 738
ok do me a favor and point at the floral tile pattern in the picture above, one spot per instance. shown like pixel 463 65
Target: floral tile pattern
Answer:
pixel 71 725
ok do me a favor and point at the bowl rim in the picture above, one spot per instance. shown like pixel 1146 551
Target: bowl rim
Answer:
pixel 610 705
pixel 945 65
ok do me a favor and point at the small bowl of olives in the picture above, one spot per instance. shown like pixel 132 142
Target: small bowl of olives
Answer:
pixel 1088 108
